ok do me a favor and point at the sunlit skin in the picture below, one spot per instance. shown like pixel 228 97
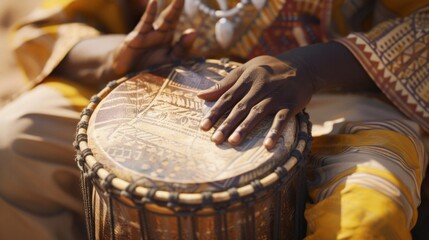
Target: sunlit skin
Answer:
pixel 280 86
pixel 253 91
pixel 95 61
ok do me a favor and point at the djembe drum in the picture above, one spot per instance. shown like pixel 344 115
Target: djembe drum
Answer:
pixel 148 172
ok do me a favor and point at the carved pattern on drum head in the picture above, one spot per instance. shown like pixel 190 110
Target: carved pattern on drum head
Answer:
pixel 147 130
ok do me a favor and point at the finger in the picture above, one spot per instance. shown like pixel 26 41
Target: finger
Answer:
pixel 170 16
pixel 222 86
pixel 237 114
pixel 256 115
pixel 146 22
pixel 182 48
pixel 279 124
pixel 227 101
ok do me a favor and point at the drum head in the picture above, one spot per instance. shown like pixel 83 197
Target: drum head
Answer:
pixel 147 130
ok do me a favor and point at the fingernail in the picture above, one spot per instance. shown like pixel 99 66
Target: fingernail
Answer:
pixel 217 137
pixel 206 90
pixel 205 124
pixel 234 138
pixel 268 143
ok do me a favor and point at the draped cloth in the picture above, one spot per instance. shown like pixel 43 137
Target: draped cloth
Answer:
pixel 367 161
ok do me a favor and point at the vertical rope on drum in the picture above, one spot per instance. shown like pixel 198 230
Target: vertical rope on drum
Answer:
pixel 88 174
pixel 258 187
pixel 179 227
pixel 173 200
pixel 245 226
pixel 224 224
pixel 106 184
pixel 85 188
pixel 220 219
pixel 88 196
pixel 298 206
pixel 276 223
pixel 301 198
pixel 282 173
pixel 249 231
pixel 111 218
pixel 193 228
pixel 144 222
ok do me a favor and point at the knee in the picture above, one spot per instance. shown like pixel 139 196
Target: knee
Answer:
pixel 12 125
pixel 346 214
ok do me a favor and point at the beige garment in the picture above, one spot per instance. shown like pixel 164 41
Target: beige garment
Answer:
pixel 329 112
pixel 39 181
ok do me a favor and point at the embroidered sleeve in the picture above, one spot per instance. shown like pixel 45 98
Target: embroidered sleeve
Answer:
pixel 42 39
pixel 395 54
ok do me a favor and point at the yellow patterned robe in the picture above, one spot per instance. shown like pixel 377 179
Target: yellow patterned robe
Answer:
pixel 394 54
pixel 378 163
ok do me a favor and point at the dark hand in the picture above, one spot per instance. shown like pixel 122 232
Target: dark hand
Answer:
pixel 262 86
pixel 97 60
pixel 151 41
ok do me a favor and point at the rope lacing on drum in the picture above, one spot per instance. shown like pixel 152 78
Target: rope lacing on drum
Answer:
pixel 173 199
pixel 233 194
pixel 106 184
pixel 149 196
pixel 297 154
pixel 303 136
pixel 281 172
pixel 128 192
pixel 95 99
pixel 92 172
pixel 76 145
pixel 257 185
pixel 207 198
pixel 80 162
pixel 81 124
pixel 303 117
pixel 86 152
pixel 81 137
pixel 112 84
pixel 86 111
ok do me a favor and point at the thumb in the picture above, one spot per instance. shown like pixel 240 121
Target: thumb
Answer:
pixel 182 48
pixel 213 93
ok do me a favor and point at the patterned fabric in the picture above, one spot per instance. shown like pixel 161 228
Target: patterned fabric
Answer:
pixel 381 163
pixel 298 24
pixel 387 163
pixel 277 27
pixel 398 64
pixel 395 54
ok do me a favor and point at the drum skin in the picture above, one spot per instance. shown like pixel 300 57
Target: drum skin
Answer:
pixel 149 172
pixel 147 130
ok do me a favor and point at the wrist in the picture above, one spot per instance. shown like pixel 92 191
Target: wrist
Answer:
pixel 330 66
pixel 304 69
pixel 88 62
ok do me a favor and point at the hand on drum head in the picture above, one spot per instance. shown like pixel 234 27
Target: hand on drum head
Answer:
pixel 262 86
pixel 151 41
pixel 95 61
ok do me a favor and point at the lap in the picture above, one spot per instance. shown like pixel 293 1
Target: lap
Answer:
pixel 39 180
pixel 365 181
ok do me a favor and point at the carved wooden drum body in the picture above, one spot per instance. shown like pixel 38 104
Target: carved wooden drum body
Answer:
pixel 149 172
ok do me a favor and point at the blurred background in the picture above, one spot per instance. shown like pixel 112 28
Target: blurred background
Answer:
pixel 11 78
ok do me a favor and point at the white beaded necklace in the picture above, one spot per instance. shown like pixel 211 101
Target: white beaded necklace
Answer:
pixel 224 28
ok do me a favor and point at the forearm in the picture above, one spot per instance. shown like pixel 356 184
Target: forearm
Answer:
pixel 88 62
pixel 330 65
